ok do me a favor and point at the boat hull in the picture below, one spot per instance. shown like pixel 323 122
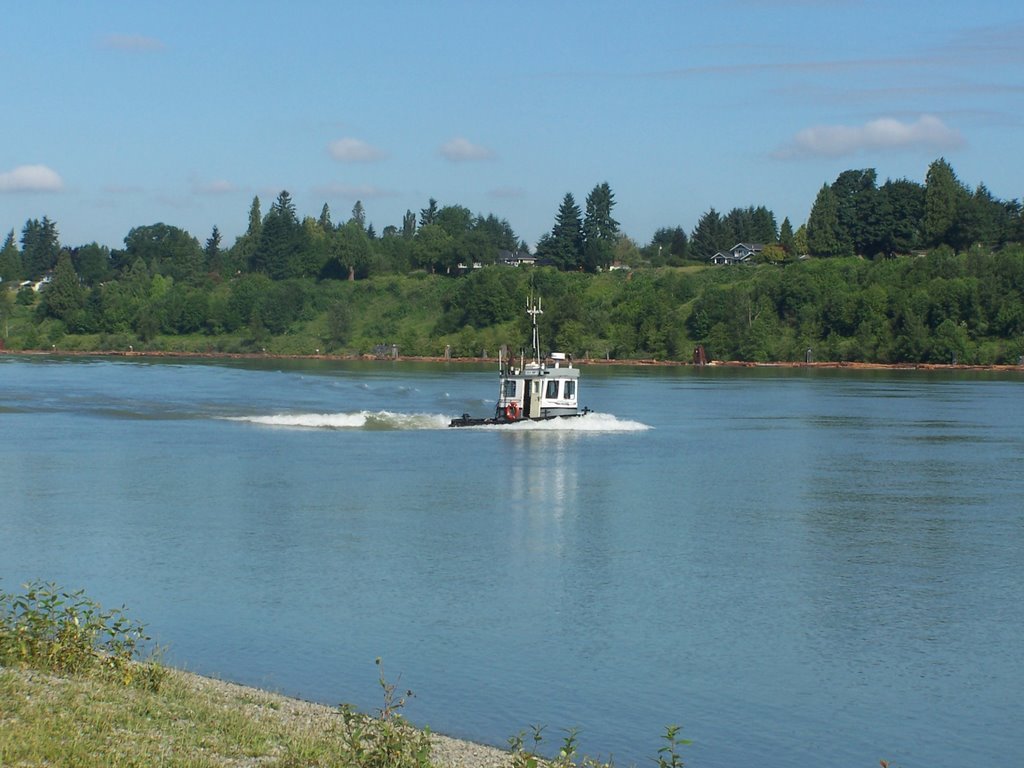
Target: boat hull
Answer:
pixel 468 421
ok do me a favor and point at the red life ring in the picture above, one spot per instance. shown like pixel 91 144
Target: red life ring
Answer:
pixel 512 412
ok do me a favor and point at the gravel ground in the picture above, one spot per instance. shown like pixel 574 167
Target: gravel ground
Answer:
pixel 447 752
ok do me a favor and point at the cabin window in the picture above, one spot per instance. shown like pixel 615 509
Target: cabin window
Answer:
pixel 552 392
pixel 570 390
pixel 510 388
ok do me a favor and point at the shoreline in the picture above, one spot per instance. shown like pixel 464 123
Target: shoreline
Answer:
pixel 639 363
pixel 278 716
pixel 447 751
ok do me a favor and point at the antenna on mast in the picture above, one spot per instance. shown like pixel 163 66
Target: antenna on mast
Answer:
pixel 533 311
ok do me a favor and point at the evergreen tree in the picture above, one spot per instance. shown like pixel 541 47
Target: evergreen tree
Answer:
pixel 943 194
pixel 498 233
pixel 428 214
pixel 409 225
pixel 10 260
pixel 763 228
pixel 669 245
pixel 600 230
pixel 359 215
pixel 280 242
pixel 40 247
pixel 325 219
pixel 823 234
pixel 900 230
pixel 212 253
pixel 563 247
pixel 65 295
pixel 855 195
pixel 240 255
pixel 710 236
pixel 786 237
pixel 255 219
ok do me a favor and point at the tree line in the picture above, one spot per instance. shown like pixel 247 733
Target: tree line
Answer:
pixel 290 276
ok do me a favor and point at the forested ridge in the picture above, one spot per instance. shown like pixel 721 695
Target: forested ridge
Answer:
pixel 894 273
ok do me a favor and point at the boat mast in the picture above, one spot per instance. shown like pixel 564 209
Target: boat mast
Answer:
pixel 533 312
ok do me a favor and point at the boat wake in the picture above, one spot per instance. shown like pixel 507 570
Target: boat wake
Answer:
pixel 390 420
pixel 591 422
pixel 368 420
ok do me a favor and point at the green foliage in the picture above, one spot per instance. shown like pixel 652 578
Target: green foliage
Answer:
pixel 387 741
pixel 943 196
pixel 282 246
pixel 563 246
pixel 64 632
pixel 278 288
pixel 668 755
pixel 92 263
pixel 10 261
pixel 64 298
pixel 710 236
pixel 824 236
pixel 165 250
pixel 531 757
pixel 40 247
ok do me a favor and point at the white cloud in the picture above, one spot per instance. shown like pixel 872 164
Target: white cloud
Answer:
pixel 215 187
pixel 926 133
pixel 349 150
pixel 139 43
pixel 508 193
pixel 352 191
pixel 459 149
pixel 31 178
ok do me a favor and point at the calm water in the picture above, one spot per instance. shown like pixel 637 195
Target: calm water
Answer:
pixel 801 568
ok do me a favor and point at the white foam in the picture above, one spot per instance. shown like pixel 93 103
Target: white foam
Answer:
pixel 590 422
pixel 384 420
pixel 355 420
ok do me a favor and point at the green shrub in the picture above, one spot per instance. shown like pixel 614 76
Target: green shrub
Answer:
pixel 387 741
pixel 64 632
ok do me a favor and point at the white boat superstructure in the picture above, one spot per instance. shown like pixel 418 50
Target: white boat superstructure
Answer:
pixel 538 389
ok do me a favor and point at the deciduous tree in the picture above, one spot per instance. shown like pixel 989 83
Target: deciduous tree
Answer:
pixel 166 250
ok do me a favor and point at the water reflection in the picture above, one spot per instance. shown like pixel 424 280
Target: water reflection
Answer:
pixel 541 486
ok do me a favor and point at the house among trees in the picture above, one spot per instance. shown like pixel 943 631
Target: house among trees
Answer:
pixel 738 254
pixel 510 259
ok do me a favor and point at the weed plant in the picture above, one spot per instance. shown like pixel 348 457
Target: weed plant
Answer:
pixel 387 741
pixel 524 756
pixel 53 630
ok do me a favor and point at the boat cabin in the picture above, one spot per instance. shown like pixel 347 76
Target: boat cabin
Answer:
pixel 539 389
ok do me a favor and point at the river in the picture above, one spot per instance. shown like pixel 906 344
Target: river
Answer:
pixel 800 567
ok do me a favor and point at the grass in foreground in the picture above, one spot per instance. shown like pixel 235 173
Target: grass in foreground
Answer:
pixel 73 693
pixel 46 719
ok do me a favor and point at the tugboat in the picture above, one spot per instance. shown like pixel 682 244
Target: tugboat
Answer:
pixel 538 390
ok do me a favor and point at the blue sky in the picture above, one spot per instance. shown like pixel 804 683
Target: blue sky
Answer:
pixel 120 114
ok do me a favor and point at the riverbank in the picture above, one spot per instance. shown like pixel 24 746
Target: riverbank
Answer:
pixel 493 360
pixel 191 720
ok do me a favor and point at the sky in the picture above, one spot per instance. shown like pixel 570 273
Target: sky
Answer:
pixel 124 114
